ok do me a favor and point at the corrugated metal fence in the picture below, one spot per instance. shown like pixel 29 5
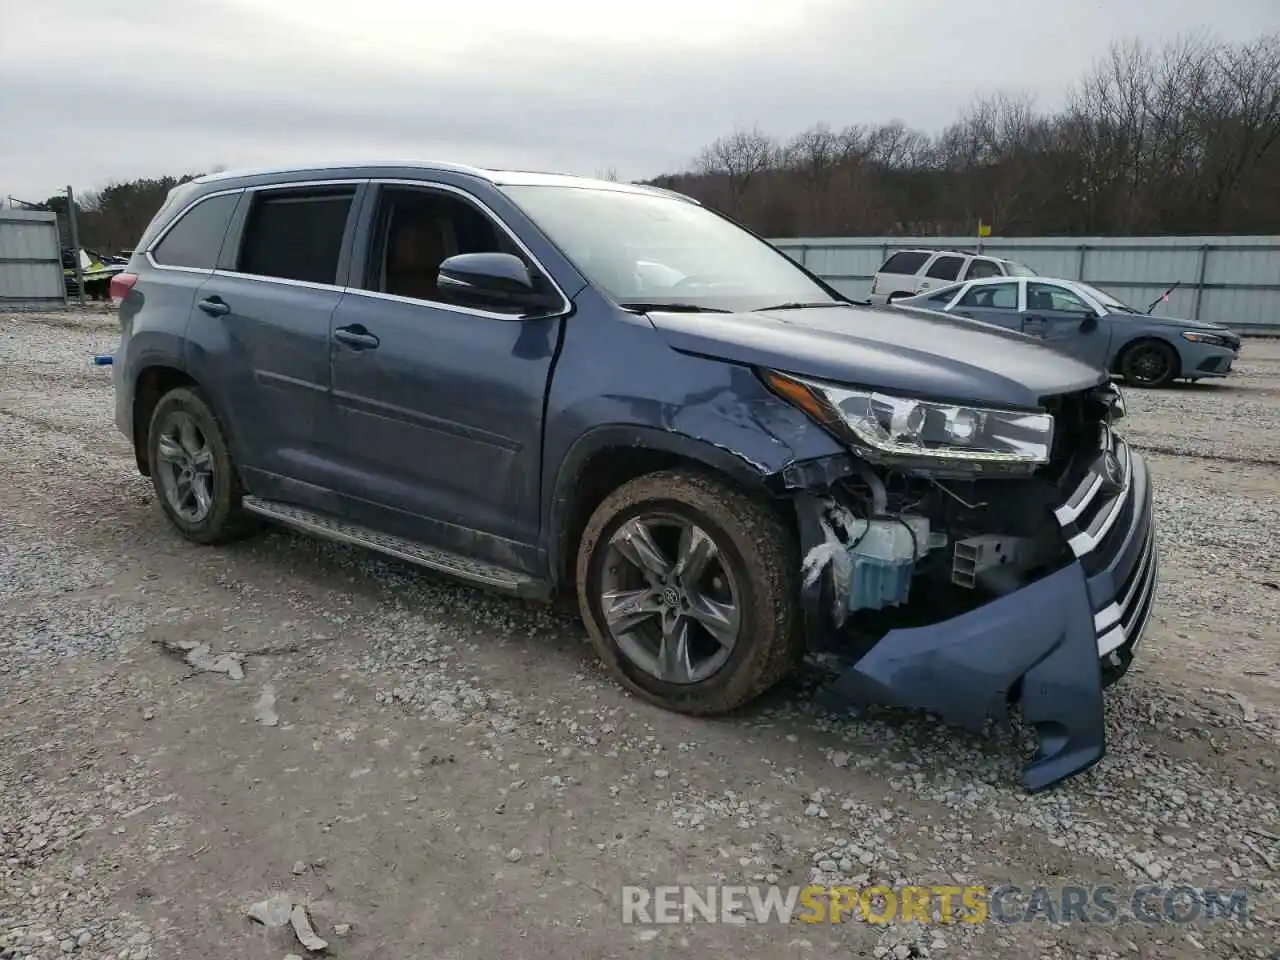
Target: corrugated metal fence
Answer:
pixel 30 260
pixel 1231 280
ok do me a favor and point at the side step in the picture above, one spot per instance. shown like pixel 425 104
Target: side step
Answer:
pixel 331 528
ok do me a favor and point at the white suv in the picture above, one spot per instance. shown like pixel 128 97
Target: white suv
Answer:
pixel 908 272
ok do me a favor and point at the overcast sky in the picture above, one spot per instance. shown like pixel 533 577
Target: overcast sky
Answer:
pixel 98 90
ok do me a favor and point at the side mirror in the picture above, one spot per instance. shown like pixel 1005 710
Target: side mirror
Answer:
pixel 493 281
pixel 1089 322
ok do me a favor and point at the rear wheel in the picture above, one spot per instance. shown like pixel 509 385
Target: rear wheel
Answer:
pixel 896 295
pixel 191 469
pixel 689 590
pixel 1149 363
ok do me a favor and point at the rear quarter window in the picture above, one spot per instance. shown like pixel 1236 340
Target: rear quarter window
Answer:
pixel 904 262
pixel 196 237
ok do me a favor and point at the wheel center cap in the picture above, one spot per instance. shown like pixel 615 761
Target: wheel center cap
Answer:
pixel 671 597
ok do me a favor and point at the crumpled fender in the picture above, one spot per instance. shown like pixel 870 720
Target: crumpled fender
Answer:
pixel 963 668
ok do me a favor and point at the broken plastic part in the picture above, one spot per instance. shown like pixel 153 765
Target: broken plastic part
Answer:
pixel 973 555
pixel 884 558
pixel 871 562
pixel 963 668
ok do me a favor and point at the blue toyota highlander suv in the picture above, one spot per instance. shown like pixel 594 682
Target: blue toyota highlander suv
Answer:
pixel 548 385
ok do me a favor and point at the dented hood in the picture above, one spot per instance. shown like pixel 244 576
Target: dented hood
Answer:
pixel 914 352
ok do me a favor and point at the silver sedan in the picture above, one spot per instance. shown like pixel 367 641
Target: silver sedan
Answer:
pixel 1080 319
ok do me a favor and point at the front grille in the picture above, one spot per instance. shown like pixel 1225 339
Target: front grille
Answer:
pixel 1097 519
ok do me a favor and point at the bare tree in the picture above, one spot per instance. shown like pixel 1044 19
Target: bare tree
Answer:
pixel 738 158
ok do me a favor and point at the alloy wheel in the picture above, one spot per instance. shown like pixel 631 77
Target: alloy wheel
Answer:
pixel 185 466
pixel 668 599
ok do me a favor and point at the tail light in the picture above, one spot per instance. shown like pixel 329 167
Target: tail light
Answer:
pixel 120 286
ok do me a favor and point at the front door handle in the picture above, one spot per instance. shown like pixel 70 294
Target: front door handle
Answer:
pixel 356 337
pixel 214 306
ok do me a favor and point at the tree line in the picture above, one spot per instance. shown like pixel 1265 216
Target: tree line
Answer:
pixel 1178 139
pixel 1182 138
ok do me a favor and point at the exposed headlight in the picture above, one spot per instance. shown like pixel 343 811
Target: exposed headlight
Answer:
pixel 925 433
pixel 1217 340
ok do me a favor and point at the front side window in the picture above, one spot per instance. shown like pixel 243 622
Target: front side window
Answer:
pixel 1015 269
pixel 296 235
pixel 945 268
pixel 991 296
pixel 1045 296
pixel 980 268
pixel 196 239
pixel 417 229
pixel 649 250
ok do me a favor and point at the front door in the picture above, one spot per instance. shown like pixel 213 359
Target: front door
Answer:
pixel 437 409
pixel 1065 322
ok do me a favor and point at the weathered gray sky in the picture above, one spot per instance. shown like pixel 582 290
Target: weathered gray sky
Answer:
pixel 96 90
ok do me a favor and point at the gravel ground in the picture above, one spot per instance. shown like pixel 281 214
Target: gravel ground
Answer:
pixel 435 772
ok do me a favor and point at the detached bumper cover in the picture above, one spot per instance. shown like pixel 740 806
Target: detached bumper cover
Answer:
pixel 1064 636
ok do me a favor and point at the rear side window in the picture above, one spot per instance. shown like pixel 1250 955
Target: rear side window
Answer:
pixel 296 236
pixel 904 262
pixel 983 268
pixel 992 296
pixel 945 268
pixel 194 241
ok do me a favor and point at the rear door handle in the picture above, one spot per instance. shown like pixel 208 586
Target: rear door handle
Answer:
pixel 214 306
pixel 356 337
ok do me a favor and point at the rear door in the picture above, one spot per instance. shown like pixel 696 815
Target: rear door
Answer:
pixel 262 322
pixel 1063 319
pixel 943 270
pixel 992 303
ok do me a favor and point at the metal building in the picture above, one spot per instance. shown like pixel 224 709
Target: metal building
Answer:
pixel 30 260
pixel 1231 280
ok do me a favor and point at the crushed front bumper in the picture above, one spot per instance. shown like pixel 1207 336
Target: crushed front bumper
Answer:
pixel 1064 636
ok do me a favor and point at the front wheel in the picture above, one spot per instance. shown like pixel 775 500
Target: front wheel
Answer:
pixel 1149 363
pixel 690 591
pixel 191 469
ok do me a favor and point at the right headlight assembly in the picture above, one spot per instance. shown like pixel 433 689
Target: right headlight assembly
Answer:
pixel 926 434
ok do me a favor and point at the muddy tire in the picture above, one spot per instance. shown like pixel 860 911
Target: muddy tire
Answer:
pixel 195 480
pixel 730 561
pixel 1149 363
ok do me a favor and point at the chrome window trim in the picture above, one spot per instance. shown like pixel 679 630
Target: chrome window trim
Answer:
pixel 285 281
pixel 566 304
pixel 148 253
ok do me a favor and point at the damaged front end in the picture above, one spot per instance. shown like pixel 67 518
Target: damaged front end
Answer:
pixel 958 591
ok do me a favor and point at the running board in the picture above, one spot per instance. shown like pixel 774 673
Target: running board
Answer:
pixel 411 551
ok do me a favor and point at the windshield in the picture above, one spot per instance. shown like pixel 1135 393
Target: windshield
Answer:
pixel 1015 269
pixel 1106 299
pixel 648 251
